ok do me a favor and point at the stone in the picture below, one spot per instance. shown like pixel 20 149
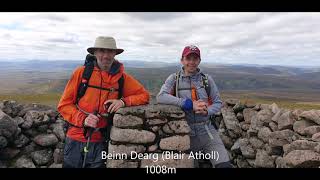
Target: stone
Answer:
pixel 152 122
pixel 296 114
pixel 242 163
pixel 58 156
pixel 121 163
pixel 299 145
pixel 8 127
pixel 256 143
pixel 42 157
pixel 264 134
pixel 238 108
pixel 274 108
pixel 316 137
pixel 302 159
pixel 273 126
pixel 311 130
pixel 3 142
pixel 30 148
pixel 232 102
pixel 175 143
pixel 132 136
pixel 27 124
pixel 46 140
pixel 32 132
pixel 227 141
pixel 24 162
pixel 176 127
pixel 21 141
pixel 273 150
pixel 240 116
pixel 9 153
pixel 299 126
pixel 18 120
pixel 153 148
pixel 236 147
pixel 244 126
pixel 311 115
pixel 249 114
pixel 54 165
pixel 280 138
pixel 38 117
pixel 42 128
pixel 58 130
pixel 127 121
pixel 183 162
pixel 263 118
pixel 286 121
pixel 126 149
pixel 263 160
pixel 155 128
pixel 246 149
pixel 317 148
pixel 280 162
pixel 249 104
pixel 231 121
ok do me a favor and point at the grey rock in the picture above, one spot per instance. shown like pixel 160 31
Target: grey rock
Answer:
pixel 274 108
pixel 9 153
pixel 32 132
pixel 177 143
pixel 30 148
pixel 42 157
pixel 238 108
pixel 121 163
pixel 296 114
pixel 280 138
pixel 273 150
pixel 132 135
pixel 38 117
pixel 21 141
pixel 303 159
pixel 127 121
pixel 27 124
pixel 240 116
pixel 256 143
pixel 3 142
pixel 299 126
pixel 242 163
pixel 231 121
pixel 246 149
pixel 263 160
pixel 24 162
pixel 311 130
pixel 263 118
pixel 46 140
pixel 126 149
pixel 280 163
pixel 153 148
pixel 155 128
pixel 58 130
pixel 299 145
pixel 152 122
pixel 249 114
pixel 286 121
pixel 54 165
pixel 183 162
pixel 236 147
pixel 18 120
pixel 42 128
pixel 58 156
pixel 7 126
pixel 316 137
pixel 176 127
pixel 227 141
pixel 317 148
pixel 273 126
pixel 244 126
pixel 232 102
pixel 311 115
pixel 264 134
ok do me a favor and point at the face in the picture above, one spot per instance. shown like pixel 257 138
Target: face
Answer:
pixel 105 58
pixel 190 63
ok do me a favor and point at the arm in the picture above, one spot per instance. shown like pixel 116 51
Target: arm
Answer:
pixel 215 96
pixel 134 93
pixel 66 106
pixel 165 95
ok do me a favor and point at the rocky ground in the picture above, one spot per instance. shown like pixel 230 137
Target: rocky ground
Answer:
pixel 255 135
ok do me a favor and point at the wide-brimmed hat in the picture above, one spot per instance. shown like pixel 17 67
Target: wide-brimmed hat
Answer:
pixel 104 42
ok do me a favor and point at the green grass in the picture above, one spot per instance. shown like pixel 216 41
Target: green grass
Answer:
pixel 50 99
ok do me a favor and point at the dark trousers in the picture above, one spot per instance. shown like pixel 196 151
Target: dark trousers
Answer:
pixel 74 154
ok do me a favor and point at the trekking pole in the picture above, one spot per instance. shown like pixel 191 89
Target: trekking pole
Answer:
pixel 86 148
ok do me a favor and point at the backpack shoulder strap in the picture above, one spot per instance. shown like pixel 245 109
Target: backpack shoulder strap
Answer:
pixel 205 82
pixel 88 69
pixel 176 85
pixel 120 89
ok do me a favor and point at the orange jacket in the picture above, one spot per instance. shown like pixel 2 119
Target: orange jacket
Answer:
pixel 133 94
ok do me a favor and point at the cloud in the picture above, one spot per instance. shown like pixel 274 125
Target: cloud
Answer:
pixel 265 38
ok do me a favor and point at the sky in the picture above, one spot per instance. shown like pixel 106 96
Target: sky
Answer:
pixel 291 39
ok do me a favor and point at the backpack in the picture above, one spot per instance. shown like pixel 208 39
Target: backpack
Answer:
pixel 205 84
pixel 83 86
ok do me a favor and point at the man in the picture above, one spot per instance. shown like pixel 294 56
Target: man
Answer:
pixel 188 89
pixel 87 112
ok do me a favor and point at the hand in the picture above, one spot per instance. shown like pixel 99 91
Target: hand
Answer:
pixel 115 105
pixel 200 107
pixel 91 121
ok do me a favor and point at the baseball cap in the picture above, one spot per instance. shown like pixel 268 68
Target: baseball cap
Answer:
pixel 191 49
